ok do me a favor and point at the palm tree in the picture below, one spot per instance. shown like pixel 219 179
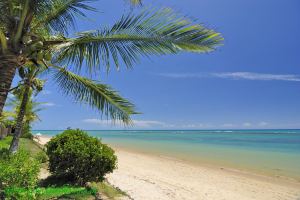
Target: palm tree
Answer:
pixel 87 91
pixel 31 111
pixel 26 87
pixel 35 32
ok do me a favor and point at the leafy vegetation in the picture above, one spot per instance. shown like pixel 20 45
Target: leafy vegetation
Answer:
pixel 18 170
pixel 6 119
pixel 57 189
pixel 79 158
pixel 4 143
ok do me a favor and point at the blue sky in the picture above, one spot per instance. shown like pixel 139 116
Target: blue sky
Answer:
pixel 253 81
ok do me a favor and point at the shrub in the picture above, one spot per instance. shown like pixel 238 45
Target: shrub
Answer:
pixel 18 170
pixel 27 135
pixel 79 157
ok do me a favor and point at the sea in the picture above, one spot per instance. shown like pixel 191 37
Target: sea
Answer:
pixel 270 152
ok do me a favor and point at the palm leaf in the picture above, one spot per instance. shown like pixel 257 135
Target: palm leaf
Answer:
pixel 96 95
pixel 62 14
pixel 151 32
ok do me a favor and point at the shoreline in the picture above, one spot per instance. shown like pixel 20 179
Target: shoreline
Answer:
pixel 231 169
pixel 214 164
pixel 149 176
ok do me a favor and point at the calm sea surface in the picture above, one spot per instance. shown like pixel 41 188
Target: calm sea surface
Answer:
pixel 275 152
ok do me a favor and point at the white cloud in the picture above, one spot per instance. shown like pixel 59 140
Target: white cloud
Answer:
pixel 136 123
pixel 46 92
pixel 247 124
pixel 263 124
pixel 258 76
pixel 155 124
pixel 193 126
pixel 147 124
pixel 49 104
pixel 237 76
pixel 184 75
pixel 228 125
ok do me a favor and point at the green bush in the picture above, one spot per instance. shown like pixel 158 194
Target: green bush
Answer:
pixel 79 157
pixel 27 135
pixel 18 170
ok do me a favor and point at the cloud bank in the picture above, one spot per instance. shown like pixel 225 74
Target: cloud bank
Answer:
pixel 49 104
pixel 237 76
pixel 137 123
pixel 154 124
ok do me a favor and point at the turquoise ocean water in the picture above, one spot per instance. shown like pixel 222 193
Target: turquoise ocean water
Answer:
pixel 274 152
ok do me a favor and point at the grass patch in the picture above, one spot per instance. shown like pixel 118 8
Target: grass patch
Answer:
pixel 31 146
pixel 55 189
pixel 67 192
pixel 63 192
pixel 107 190
pixel 28 145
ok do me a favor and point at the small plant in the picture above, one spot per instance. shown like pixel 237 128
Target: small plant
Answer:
pixel 18 170
pixel 80 158
pixel 4 143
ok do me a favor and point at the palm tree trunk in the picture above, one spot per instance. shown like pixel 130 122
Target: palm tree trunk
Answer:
pixel 7 73
pixel 19 124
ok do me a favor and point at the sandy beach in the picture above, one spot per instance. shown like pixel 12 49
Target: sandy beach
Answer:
pixel 153 177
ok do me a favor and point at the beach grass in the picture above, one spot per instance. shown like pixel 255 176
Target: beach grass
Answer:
pixel 107 190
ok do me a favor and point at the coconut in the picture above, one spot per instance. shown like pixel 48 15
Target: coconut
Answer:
pixel 48 56
pixel 40 55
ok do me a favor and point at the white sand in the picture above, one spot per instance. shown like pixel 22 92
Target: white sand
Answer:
pixel 152 177
pixel 42 139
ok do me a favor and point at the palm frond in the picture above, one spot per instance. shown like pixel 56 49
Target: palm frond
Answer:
pixel 41 6
pixel 96 95
pixel 61 16
pixel 151 32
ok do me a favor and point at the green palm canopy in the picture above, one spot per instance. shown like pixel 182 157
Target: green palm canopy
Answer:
pixel 36 33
